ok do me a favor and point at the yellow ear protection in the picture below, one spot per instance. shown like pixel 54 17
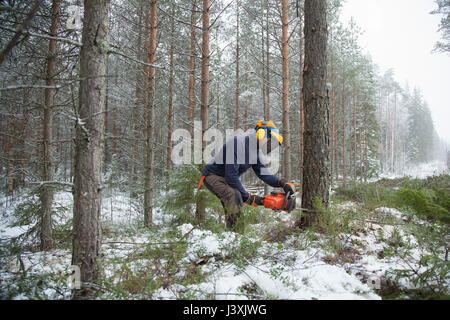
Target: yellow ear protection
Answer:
pixel 267 129
pixel 262 127
pixel 260 134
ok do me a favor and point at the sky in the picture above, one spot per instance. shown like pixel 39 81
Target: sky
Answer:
pixel 401 34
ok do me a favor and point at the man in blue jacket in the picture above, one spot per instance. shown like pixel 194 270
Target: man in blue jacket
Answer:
pixel 240 153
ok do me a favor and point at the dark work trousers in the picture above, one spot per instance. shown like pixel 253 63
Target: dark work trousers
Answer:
pixel 231 198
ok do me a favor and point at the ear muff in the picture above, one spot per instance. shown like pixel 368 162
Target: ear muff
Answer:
pixel 260 134
pixel 277 136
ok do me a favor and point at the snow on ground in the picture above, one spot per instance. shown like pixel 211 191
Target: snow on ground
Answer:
pixel 276 270
pixel 420 171
pixel 280 273
pixel 12 232
pixel 305 277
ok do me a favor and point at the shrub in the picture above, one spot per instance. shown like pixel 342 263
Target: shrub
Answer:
pixel 182 196
pixel 425 202
pixel 428 198
pixel 27 213
pixel 371 194
pixel 424 260
pixel 246 252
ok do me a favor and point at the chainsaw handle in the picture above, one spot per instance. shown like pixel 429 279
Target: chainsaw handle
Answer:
pixel 286 200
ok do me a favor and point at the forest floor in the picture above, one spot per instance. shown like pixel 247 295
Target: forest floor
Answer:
pixel 362 248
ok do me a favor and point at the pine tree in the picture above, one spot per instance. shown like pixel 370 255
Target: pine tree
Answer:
pixel 151 26
pixel 444 27
pixel 89 150
pixel 420 129
pixel 47 163
pixel 316 175
pixel 285 90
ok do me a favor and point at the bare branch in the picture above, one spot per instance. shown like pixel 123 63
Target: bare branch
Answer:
pixel 12 43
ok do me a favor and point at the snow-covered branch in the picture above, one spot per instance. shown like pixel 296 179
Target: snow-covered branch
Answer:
pixel 52 183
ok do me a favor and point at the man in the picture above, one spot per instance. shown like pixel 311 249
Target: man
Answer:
pixel 221 175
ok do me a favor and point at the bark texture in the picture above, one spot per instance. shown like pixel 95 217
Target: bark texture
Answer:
pixel 204 110
pixel 89 145
pixel 47 164
pixel 150 116
pixel 316 174
pixel 191 95
pixel 285 97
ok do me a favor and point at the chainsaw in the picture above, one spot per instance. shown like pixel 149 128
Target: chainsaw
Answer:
pixel 279 201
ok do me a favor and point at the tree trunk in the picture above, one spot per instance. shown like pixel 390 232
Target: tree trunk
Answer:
pixel 71 157
pixel 115 124
pixel 171 75
pixel 201 205
pixel 47 164
pixel 355 101
pixel 236 122
pixel 263 74
pixel 246 103
pixel 333 124
pixel 387 152
pixel 360 136
pixel 394 134
pixel 205 70
pixel 316 177
pixel 302 104
pixel 267 115
pixel 9 151
pixel 150 116
pixel 89 144
pixel 344 138
pixel 365 160
pixel 192 73
pixel 285 97
pixel 266 75
pixel 137 107
pixel 106 125
pixel 380 146
pixel 218 85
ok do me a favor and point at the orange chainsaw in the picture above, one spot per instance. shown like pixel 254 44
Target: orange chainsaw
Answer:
pixel 279 201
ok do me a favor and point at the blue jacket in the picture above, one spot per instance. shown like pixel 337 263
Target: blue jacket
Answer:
pixel 235 157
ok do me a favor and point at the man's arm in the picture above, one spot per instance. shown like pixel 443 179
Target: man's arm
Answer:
pixel 271 179
pixel 265 175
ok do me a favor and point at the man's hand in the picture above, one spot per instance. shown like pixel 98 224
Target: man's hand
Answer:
pixel 287 186
pixel 254 200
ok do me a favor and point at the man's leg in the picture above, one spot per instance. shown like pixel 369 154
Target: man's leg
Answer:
pixel 231 198
pixel 231 215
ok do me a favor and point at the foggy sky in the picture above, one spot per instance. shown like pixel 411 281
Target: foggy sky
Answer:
pixel 401 34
